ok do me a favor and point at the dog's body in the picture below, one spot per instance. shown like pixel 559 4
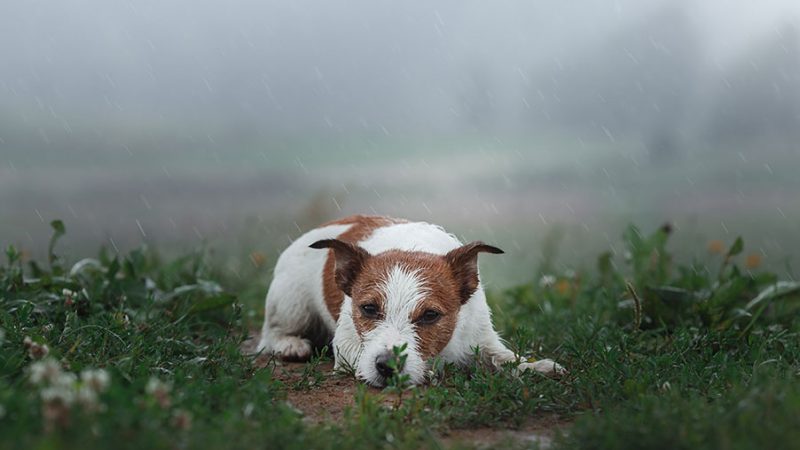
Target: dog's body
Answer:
pixel 383 283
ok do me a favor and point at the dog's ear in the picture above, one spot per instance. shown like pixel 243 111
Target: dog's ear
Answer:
pixel 463 261
pixel 350 259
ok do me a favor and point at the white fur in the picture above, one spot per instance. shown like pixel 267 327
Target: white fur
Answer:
pixel 295 302
pixel 402 290
pixel 295 296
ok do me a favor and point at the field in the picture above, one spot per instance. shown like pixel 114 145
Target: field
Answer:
pixel 137 350
pixel 637 163
pixel 537 197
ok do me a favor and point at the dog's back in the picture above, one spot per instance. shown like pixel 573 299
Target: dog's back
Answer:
pixel 304 300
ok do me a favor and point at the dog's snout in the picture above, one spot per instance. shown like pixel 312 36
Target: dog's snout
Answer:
pixel 382 365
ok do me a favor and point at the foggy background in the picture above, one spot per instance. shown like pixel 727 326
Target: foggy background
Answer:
pixel 542 127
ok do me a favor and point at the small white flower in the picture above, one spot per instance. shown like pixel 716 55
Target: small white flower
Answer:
pixel 98 379
pixel 159 390
pixel 58 395
pixel 87 396
pixel 39 351
pixel 547 280
pixel 248 410
pixel 45 371
pixel 69 297
pixel 35 349
pixel 157 387
pixel 65 380
pixel 665 386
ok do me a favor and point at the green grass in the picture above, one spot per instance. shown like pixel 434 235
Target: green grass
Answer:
pixel 661 355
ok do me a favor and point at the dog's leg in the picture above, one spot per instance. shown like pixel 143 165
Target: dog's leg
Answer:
pixel 498 354
pixel 346 343
pixel 289 347
pixel 477 331
pixel 288 316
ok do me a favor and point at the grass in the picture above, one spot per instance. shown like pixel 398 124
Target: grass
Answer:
pixel 661 355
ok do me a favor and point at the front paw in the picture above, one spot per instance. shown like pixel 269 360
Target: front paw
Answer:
pixel 544 366
pixel 293 348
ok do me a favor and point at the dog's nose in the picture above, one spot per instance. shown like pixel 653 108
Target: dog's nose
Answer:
pixel 382 365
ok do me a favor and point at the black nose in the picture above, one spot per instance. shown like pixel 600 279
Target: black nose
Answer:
pixel 382 365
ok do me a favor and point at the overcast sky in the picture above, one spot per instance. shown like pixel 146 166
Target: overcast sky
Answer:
pixel 353 65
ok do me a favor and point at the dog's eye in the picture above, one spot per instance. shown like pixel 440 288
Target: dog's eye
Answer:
pixel 370 311
pixel 428 317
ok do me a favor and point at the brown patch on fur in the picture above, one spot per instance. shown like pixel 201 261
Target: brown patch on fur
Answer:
pixel 464 263
pixel 450 280
pixel 436 278
pixel 349 260
pixel 362 228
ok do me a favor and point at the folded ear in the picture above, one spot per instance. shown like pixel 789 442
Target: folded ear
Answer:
pixel 463 261
pixel 349 258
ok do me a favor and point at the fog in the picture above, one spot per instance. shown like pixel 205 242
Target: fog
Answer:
pixel 241 123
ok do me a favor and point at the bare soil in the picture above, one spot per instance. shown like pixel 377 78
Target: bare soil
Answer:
pixel 325 396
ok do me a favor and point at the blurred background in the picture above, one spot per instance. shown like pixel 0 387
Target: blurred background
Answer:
pixel 542 127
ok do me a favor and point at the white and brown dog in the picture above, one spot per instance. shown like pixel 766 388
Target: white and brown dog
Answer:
pixel 383 283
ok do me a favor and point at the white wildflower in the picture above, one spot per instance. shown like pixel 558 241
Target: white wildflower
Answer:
pixel 248 410
pixel 87 396
pixel 156 386
pixel 159 390
pixel 35 349
pixel 69 297
pixel 98 379
pixel 547 280
pixel 58 395
pixel 66 380
pixel 44 371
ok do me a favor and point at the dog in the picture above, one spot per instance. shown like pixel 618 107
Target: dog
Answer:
pixel 381 284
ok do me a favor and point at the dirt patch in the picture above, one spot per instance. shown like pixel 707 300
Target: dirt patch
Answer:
pixel 314 390
pixel 322 395
pixel 320 400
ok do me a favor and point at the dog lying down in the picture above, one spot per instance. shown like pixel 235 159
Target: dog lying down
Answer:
pixel 383 283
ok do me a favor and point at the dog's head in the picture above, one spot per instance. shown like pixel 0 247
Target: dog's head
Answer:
pixel 404 298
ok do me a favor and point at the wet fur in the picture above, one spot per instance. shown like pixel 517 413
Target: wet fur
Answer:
pixel 404 268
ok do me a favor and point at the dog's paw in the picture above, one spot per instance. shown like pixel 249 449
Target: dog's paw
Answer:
pixel 543 366
pixel 292 348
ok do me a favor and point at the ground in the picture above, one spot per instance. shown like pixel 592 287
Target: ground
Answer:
pixel 328 397
pixel 138 351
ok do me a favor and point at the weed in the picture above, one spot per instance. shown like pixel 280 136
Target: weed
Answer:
pixel 683 356
pixel 311 376
pixel 399 382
